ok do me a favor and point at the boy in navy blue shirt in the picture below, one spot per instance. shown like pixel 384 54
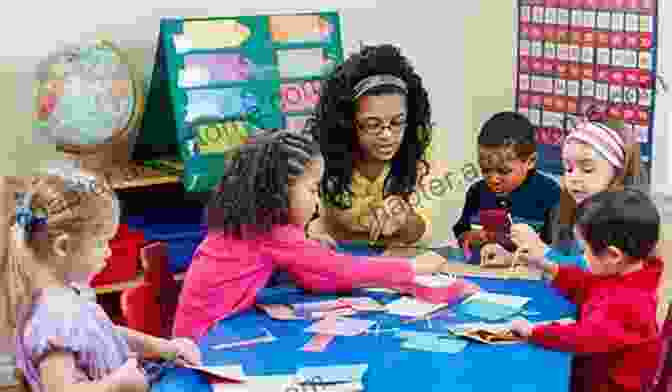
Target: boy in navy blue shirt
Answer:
pixel 507 155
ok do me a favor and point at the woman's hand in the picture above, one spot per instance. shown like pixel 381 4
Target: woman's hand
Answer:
pixel 521 327
pixel 129 377
pixel 389 218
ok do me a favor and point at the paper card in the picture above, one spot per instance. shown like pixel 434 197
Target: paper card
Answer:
pixel 300 96
pixel 301 63
pixel 560 104
pixel 642 133
pixel 574 53
pixel 615 94
pixel 278 383
pixel 602 39
pixel 551 15
pixel 604 56
pixel 646 23
pixel 631 59
pixel 645 60
pixel 279 311
pixel 602 91
pixel 617 21
pixel 525 13
pixel 645 97
pixel 645 41
pixel 203 68
pixel 300 28
pixel 588 88
pixel 535 117
pixel 630 96
pixel 629 114
pixel 563 17
pixel 332 374
pixel 220 136
pixel 447 345
pixel 536 49
pixel 340 326
pixel 214 103
pixel 241 338
pixel 550 49
pixel 434 280
pixel 490 336
pixel 215 34
pixel 587 55
pixel 501 299
pixel 632 23
pixel 412 307
pixel 318 343
pixel 589 19
pixel 318 306
pixel 577 18
pixel 538 15
pixel 618 57
pixel 230 373
pixel 524 48
pixel 182 43
pixel 573 88
pixel 604 20
pixel 364 304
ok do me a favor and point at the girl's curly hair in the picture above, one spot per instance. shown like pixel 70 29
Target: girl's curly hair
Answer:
pixel 333 122
pixel 252 196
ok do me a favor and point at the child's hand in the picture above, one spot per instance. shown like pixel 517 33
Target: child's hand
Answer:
pixel 522 257
pixel 494 255
pixel 130 377
pixel 521 327
pixel 183 350
pixel 525 237
pixel 472 237
pixel 324 239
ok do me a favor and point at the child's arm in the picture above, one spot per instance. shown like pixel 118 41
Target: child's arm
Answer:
pixel 570 280
pixel 152 347
pixel 471 206
pixel 612 327
pixel 59 372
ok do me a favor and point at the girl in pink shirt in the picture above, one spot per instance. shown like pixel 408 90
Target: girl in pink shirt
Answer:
pixel 257 222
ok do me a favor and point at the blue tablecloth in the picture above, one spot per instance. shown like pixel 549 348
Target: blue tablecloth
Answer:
pixel 480 367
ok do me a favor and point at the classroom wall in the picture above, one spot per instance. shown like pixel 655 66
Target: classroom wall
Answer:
pixel 467 68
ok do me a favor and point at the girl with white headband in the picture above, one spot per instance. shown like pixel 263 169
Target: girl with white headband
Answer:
pixel 373 122
pixel 595 157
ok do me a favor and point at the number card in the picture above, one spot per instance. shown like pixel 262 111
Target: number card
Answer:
pixel 579 54
pixel 218 81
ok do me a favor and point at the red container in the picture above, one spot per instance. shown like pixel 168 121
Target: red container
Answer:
pixel 122 266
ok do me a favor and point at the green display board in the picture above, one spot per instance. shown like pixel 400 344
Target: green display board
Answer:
pixel 217 81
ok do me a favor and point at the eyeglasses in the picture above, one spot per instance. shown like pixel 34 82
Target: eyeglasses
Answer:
pixel 375 127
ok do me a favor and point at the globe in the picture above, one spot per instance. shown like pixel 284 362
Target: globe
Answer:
pixel 86 95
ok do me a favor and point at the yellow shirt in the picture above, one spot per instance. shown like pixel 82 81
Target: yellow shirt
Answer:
pixel 367 195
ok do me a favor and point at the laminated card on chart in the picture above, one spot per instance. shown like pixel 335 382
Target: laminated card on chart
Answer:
pixel 217 82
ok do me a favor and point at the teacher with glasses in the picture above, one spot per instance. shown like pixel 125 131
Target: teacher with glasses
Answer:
pixel 373 122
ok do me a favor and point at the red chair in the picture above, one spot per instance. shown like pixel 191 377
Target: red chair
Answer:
pixel 150 307
pixel 662 381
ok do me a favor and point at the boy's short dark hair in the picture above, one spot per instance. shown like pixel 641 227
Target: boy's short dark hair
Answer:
pixel 627 219
pixel 509 129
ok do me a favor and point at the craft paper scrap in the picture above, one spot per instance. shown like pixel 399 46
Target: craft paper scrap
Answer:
pixel 443 345
pixel 319 306
pixel 276 383
pixel 411 307
pixel 332 374
pixel 340 326
pixel 487 310
pixel 364 304
pixel 318 343
pixel 279 311
pixel 501 299
pixel 266 338
pixel 296 28
pixel 342 312
pixel 435 280
pixel 232 373
pixel 211 34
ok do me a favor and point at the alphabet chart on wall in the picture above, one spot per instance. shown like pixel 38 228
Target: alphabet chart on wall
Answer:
pixel 578 54
pixel 217 81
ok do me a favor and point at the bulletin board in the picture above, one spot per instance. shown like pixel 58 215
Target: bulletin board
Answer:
pixel 218 81
pixel 578 54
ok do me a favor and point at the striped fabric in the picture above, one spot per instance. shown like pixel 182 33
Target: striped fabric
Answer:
pixel 603 139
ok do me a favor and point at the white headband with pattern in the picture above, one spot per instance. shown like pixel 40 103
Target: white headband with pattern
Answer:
pixel 373 81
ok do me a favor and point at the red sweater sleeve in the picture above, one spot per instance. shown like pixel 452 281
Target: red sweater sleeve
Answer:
pixel 606 328
pixel 572 281
pixel 319 269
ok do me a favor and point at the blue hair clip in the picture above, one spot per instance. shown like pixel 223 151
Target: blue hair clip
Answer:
pixel 26 217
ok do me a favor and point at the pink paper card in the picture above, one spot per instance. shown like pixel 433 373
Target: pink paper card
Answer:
pixel 340 326
pixel 299 97
pixel 318 343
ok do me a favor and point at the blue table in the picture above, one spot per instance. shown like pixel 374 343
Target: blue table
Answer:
pixel 479 367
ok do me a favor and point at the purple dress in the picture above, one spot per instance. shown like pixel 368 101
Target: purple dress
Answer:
pixel 59 319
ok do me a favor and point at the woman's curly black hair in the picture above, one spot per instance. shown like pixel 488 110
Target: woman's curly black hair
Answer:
pixel 252 195
pixel 333 122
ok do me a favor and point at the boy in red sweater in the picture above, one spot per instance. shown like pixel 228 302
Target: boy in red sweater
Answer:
pixel 616 339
